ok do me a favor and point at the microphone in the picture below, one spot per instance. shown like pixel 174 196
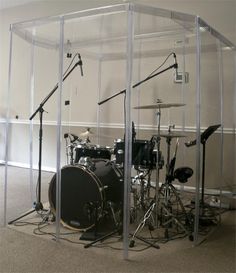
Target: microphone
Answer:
pixel 80 63
pixel 176 65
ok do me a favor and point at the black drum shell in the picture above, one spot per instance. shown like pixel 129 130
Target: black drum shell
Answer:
pixel 83 190
pixel 142 153
pixel 92 152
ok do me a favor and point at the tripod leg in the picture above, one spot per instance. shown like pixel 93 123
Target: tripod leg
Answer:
pixel 142 224
pixel 18 218
pixel 102 238
pixel 188 220
pixel 147 242
pixel 167 208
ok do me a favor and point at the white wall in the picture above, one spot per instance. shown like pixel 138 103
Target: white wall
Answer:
pixel 210 11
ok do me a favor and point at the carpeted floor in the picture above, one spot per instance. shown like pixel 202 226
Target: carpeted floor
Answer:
pixel 22 251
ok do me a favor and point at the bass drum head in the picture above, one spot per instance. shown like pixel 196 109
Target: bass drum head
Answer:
pixel 80 192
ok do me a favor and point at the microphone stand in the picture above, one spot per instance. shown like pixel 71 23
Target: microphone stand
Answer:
pixel 38 204
pixel 102 238
pixel 175 65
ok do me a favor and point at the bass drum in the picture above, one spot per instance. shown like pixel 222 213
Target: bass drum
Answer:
pixel 85 191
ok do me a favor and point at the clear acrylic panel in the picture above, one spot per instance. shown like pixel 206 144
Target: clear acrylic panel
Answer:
pixel 228 61
pixel 162 117
pixel 211 130
pixel 31 130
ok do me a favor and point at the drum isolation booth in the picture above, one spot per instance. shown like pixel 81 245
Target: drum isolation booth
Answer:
pixel 92 183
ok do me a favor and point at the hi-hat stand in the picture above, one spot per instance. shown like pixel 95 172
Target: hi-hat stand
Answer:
pixel 38 206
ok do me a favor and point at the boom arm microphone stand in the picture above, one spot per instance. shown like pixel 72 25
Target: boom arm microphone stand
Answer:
pixel 100 103
pixel 139 83
pixel 38 204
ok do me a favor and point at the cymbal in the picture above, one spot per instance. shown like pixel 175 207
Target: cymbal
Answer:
pixel 172 134
pixel 87 133
pixel 160 105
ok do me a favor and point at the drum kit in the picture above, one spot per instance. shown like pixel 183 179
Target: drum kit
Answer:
pixel 92 182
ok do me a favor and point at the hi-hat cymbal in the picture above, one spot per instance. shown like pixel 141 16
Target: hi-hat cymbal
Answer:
pixel 159 105
pixel 172 134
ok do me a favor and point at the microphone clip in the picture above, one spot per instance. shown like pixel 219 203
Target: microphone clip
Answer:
pixel 80 63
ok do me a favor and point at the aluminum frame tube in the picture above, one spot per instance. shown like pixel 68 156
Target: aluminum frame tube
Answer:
pixel 7 128
pixel 59 129
pixel 128 132
pixel 198 129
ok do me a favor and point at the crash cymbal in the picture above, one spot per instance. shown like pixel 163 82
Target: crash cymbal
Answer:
pixel 159 105
pixel 87 133
pixel 171 134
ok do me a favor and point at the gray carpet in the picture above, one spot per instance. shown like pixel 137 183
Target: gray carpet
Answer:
pixel 22 251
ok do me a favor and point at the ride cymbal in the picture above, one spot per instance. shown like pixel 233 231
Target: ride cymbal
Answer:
pixel 159 105
pixel 172 134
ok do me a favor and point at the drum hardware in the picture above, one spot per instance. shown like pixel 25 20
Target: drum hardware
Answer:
pixel 142 179
pixel 146 217
pixel 92 212
pixel 164 202
pixel 167 193
pixel 118 230
pixel 74 140
pixel 117 224
pixel 38 206
pixel 87 162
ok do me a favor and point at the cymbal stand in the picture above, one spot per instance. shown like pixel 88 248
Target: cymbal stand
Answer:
pixel 146 216
pixel 166 194
pixel 153 204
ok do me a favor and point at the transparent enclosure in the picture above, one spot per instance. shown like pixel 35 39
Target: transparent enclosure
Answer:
pixel 125 119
